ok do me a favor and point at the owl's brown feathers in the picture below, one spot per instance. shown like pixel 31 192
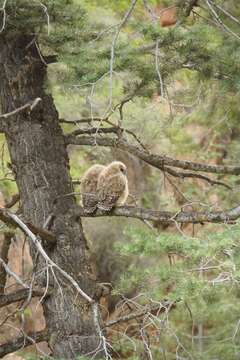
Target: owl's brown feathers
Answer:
pixel 112 187
pixel 104 187
pixel 89 188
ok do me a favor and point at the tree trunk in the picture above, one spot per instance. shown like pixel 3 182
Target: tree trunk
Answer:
pixel 40 163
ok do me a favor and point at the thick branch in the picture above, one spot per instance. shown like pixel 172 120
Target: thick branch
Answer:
pixel 23 342
pixel 18 295
pixel 158 161
pixel 167 217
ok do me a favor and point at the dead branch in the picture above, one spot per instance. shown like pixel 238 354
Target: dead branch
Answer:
pixel 18 295
pixel 23 341
pixel 158 161
pixel 151 309
pixel 31 105
pixel 49 261
pixel 15 198
pixel 4 256
pixel 43 233
pixel 167 217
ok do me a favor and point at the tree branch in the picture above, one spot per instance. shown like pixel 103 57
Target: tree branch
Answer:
pixel 152 309
pixel 30 104
pixel 23 341
pixel 158 161
pixel 18 295
pixel 167 217
pixel 5 217
pixel 4 256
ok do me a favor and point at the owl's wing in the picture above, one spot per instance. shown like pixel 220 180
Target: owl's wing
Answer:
pixel 89 195
pixel 109 191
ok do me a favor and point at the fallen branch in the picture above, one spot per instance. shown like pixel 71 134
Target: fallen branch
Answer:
pixel 158 161
pixel 23 341
pixel 167 217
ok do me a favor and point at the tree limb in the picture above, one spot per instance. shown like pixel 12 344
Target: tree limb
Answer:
pixel 167 217
pixel 152 309
pixel 18 295
pixel 4 256
pixel 43 233
pixel 23 341
pixel 158 161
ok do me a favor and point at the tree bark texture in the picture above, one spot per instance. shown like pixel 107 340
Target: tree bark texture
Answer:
pixel 40 163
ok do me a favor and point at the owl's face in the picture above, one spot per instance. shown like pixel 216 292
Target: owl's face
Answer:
pixel 118 166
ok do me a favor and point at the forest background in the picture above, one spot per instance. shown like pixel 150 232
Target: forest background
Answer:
pixel 167 76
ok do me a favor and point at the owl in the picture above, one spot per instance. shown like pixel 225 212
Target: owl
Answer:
pixel 89 187
pixel 112 186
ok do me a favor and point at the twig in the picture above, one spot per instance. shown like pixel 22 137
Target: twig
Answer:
pixel 13 274
pixel 221 23
pixel 158 68
pixel 115 38
pixel 30 104
pixel 15 198
pixel 4 256
pixel 153 308
pixel 226 13
pixel 3 11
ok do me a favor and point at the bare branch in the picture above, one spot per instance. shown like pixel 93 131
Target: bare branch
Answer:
pixel 43 233
pixel 13 274
pixel 31 105
pixel 167 217
pixel 152 308
pixel 50 262
pixel 15 198
pixel 158 161
pixel 23 341
pixel 18 295
pixel 221 23
pixel 4 256
pixel 226 13
pixel 3 11
pixel 187 174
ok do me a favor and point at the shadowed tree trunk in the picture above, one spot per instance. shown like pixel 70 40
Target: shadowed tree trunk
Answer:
pixel 40 163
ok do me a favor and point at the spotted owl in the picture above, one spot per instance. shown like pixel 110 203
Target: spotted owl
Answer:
pixel 89 187
pixel 112 186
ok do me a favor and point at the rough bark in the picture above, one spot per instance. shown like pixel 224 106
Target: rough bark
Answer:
pixel 40 163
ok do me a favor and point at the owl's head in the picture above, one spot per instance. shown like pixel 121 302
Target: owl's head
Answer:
pixel 118 166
